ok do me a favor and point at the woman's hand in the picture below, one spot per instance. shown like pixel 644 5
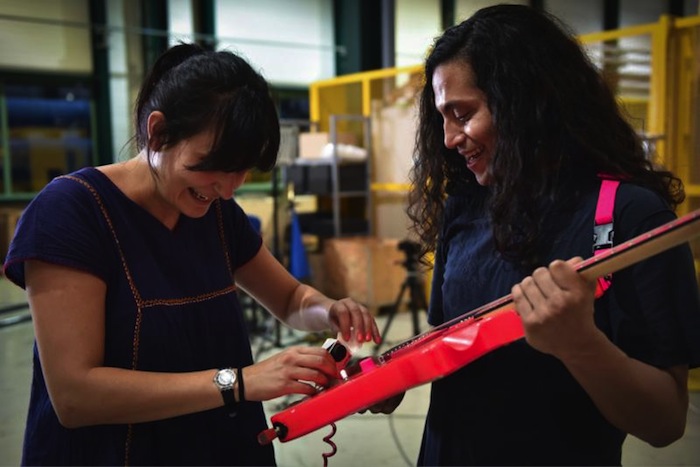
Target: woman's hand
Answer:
pixel 354 321
pixel 295 370
pixel 301 306
pixel 388 405
pixel 556 307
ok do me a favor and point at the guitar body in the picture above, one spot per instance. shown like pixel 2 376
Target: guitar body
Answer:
pixel 426 360
pixel 454 344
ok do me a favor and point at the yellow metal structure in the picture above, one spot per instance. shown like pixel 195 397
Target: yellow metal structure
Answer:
pixel 665 111
pixel 351 94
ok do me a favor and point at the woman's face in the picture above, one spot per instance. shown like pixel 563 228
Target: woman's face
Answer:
pixel 192 192
pixel 467 122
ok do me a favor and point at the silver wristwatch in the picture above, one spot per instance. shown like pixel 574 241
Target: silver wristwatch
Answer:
pixel 225 379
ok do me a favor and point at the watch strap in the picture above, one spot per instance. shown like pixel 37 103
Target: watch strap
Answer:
pixel 230 401
pixel 241 386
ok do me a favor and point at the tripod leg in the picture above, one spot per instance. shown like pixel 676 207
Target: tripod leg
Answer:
pixel 278 334
pixel 418 302
pixel 392 313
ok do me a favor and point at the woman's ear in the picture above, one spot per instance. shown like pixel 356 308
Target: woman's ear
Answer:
pixel 156 127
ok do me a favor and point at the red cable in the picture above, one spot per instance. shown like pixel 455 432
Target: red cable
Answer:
pixel 334 448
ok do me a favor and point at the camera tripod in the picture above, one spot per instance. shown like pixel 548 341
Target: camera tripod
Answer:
pixel 413 284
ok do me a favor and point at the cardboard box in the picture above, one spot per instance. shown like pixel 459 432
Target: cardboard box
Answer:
pixel 311 144
pixel 367 269
pixel 393 131
pixel 9 217
pixel 393 139
pixel 263 207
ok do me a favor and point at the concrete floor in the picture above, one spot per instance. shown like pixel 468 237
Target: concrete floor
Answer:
pixel 362 439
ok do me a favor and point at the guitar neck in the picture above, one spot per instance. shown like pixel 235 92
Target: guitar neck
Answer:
pixel 642 247
pixel 618 257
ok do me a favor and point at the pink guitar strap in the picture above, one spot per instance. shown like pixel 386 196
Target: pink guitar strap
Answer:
pixel 603 227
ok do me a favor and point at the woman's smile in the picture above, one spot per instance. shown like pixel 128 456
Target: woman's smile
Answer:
pixel 199 196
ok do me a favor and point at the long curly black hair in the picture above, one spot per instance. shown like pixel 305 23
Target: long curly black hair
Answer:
pixel 557 122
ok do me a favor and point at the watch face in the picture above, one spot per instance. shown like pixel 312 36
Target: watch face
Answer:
pixel 225 378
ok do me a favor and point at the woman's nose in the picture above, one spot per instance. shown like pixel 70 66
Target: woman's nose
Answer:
pixel 229 182
pixel 453 135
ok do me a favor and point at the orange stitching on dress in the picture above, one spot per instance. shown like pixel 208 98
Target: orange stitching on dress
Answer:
pixel 97 197
pixel 222 238
pixel 132 285
pixel 127 443
pixel 142 304
pixel 134 292
pixel 195 299
pixel 136 341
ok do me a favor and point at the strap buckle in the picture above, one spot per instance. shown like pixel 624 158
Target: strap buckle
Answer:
pixel 603 236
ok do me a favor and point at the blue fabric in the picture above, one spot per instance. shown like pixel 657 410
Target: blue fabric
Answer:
pixel 298 261
pixel 255 222
pixel 517 406
pixel 184 301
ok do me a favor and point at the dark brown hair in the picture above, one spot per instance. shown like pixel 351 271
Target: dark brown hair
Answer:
pixel 558 126
pixel 198 90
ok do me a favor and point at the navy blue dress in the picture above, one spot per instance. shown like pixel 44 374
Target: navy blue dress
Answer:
pixel 518 406
pixel 171 306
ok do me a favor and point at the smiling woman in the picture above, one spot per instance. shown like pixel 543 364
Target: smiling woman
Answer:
pixel 467 121
pixel 516 130
pixel 132 271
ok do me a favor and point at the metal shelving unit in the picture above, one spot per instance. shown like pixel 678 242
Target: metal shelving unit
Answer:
pixel 336 161
pixel 335 179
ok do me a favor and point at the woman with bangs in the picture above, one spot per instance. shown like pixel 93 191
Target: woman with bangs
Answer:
pixel 142 355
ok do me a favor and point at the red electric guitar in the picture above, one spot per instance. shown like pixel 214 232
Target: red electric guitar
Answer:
pixel 452 345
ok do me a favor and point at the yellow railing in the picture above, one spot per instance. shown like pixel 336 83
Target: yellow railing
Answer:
pixel 666 111
pixel 350 94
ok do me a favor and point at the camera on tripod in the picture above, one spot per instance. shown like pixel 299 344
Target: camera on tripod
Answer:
pixel 411 250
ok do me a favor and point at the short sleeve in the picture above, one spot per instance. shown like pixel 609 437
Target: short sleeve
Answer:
pixel 658 297
pixel 245 241
pixel 62 225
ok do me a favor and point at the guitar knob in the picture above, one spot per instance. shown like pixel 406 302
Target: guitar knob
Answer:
pixel 277 431
pixel 338 351
pixel 267 436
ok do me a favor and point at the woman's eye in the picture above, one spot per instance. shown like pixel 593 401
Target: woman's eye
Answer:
pixel 462 118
